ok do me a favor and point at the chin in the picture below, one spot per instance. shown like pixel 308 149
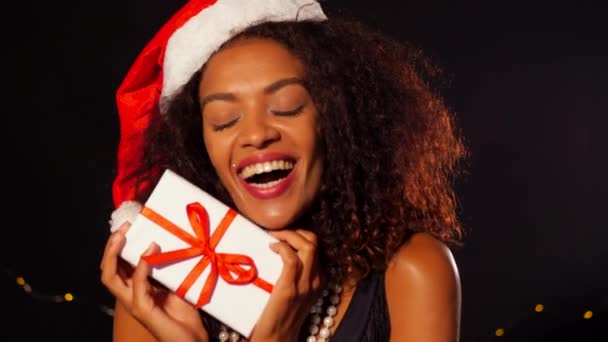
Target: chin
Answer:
pixel 278 214
pixel 272 223
pixel 272 220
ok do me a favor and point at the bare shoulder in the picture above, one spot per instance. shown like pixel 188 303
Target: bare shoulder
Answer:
pixel 422 258
pixel 423 291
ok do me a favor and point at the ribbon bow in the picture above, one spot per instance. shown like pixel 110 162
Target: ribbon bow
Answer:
pixel 228 266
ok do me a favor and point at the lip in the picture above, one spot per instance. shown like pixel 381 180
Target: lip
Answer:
pixel 275 190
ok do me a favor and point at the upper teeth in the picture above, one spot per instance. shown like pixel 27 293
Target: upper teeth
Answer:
pixel 259 168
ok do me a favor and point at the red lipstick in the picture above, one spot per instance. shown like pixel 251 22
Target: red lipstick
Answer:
pixel 270 192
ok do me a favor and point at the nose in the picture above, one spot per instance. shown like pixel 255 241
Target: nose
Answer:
pixel 258 131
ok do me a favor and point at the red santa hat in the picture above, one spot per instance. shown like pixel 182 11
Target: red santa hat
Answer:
pixel 177 51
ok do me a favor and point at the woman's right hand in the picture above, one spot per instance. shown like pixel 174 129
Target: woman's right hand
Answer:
pixel 296 290
pixel 164 314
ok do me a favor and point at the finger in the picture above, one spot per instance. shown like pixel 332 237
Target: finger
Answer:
pixel 311 267
pixel 115 236
pixel 110 274
pixel 305 243
pixel 283 301
pixel 149 302
pixel 125 271
pixel 142 300
pixel 300 242
pixel 308 235
pixel 311 260
pixel 291 264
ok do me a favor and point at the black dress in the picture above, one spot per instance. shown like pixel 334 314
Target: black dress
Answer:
pixel 366 319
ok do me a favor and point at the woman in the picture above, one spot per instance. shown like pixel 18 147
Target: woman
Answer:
pixel 330 136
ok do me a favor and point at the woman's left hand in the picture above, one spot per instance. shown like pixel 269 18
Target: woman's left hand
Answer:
pixel 166 316
pixel 296 290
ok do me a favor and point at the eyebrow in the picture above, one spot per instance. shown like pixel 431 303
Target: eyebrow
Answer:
pixel 269 89
pixel 283 83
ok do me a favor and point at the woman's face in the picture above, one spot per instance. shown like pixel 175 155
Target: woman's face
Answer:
pixel 260 130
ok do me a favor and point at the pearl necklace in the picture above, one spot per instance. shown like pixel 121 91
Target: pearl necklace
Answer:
pixel 321 327
pixel 317 326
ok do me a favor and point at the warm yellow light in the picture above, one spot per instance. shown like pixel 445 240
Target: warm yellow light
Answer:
pixel 500 332
pixel 539 308
pixel 68 297
pixel 588 314
pixel 20 281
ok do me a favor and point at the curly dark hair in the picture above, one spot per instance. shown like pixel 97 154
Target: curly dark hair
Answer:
pixel 390 142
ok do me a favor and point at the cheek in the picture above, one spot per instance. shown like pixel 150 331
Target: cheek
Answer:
pixel 214 148
pixel 219 147
pixel 315 142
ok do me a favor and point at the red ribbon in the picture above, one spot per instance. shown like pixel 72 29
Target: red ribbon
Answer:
pixel 228 266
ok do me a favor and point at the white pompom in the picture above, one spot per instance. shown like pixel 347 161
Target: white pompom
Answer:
pixel 126 211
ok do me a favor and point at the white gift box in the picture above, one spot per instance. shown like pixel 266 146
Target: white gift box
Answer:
pixel 236 305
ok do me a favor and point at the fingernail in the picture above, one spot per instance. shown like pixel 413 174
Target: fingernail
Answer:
pixel 150 248
pixel 125 226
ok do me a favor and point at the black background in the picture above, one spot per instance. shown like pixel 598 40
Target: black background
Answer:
pixel 528 85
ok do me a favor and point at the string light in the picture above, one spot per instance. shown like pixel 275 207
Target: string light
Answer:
pixel 69 297
pixel 538 308
pixel 66 297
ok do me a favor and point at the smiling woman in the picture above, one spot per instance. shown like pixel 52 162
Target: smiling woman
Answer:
pixel 322 131
pixel 260 130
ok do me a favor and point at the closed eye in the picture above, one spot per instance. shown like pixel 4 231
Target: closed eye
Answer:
pixel 289 112
pixel 221 127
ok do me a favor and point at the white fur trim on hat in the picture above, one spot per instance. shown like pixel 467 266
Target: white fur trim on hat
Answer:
pixel 127 211
pixel 190 46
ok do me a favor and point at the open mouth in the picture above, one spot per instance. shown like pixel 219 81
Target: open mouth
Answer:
pixel 265 175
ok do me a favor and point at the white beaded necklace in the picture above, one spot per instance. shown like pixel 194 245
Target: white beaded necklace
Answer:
pixel 318 329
